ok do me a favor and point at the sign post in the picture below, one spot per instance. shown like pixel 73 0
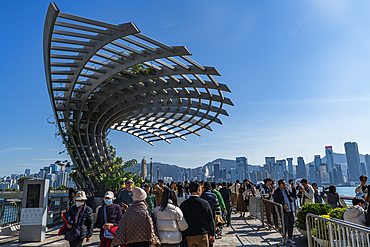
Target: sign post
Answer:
pixel 34 210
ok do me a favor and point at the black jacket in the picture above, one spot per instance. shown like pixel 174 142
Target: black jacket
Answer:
pixel 198 215
pixel 226 194
pixel 279 198
pixel 86 225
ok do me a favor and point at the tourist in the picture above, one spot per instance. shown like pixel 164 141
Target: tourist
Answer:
pixel 83 221
pixel 219 198
pixel 356 213
pixel 211 199
pixel 249 191
pixel 125 197
pixel 169 220
pixel 108 219
pixel 136 228
pixel 332 195
pixel 241 204
pixel 317 194
pixel 362 189
pixel 158 190
pixel 151 200
pixel 308 194
pixel 266 193
pixel 226 196
pixel 284 197
pixel 266 190
pixel 222 207
pixel 91 200
pixel 181 194
pixel 198 214
pixel 71 196
pixel 293 191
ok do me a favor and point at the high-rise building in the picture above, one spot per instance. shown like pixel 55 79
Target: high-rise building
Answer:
pixel 223 173
pixel 290 167
pixel 363 170
pixel 301 169
pixel 54 168
pixel 27 172
pixel 216 171
pixel 353 160
pixel 324 174
pixel 62 178
pixel 367 163
pixel 242 166
pixel 233 174
pixel 338 174
pixel 330 162
pixel 317 161
pixel 312 172
pixel 52 180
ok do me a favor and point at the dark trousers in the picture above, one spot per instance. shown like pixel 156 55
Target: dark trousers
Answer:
pixel 140 244
pixel 289 223
pixel 76 243
pixel 170 245
pixel 228 209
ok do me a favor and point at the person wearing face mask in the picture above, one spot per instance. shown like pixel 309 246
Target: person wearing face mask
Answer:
pixel 83 221
pixel 108 219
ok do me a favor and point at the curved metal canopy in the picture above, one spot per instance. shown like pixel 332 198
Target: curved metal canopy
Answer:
pixel 102 76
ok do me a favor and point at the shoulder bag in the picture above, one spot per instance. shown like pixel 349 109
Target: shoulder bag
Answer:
pixel 74 233
pixel 107 234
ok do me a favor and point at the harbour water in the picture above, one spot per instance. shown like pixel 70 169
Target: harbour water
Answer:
pixel 346 191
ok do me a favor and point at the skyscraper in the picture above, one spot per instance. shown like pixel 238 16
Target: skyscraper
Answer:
pixel 242 166
pixel 217 169
pixel 290 166
pixel 27 172
pixel 312 173
pixel 317 161
pixel 301 169
pixel 330 162
pixel 367 163
pixel 54 168
pixel 353 161
pixel 324 174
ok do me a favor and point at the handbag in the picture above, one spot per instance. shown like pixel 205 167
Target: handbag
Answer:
pixel 107 234
pixel 74 233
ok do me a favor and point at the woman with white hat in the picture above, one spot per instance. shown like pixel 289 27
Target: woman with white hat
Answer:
pixel 136 228
pixel 83 221
pixel 108 219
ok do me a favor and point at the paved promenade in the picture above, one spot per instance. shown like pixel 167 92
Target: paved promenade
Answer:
pixel 242 232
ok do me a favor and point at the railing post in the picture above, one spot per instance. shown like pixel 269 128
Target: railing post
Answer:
pixel 331 237
pixel 308 230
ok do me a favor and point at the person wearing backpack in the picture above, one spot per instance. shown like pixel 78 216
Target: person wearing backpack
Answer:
pixel 108 219
pixel 82 224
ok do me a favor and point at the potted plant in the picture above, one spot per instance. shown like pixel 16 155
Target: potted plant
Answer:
pixel 316 208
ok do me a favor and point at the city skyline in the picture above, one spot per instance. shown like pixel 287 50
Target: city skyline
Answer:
pixel 297 71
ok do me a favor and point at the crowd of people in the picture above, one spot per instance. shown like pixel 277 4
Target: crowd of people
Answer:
pixel 192 214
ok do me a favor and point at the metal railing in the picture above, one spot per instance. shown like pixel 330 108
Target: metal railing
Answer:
pixel 10 214
pixel 325 232
pixel 57 205
pixel 271 215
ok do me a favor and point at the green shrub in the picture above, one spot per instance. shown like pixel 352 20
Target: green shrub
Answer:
pixel 317 208
pixel 62 187
pixel 337 213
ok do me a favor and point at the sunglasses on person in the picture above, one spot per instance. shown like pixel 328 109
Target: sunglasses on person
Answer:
pixel 129 182
pixel 363 180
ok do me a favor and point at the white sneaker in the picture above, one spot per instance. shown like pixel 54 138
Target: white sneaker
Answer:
pixel 290 241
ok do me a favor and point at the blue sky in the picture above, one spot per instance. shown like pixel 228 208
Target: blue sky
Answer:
pixel 298 71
